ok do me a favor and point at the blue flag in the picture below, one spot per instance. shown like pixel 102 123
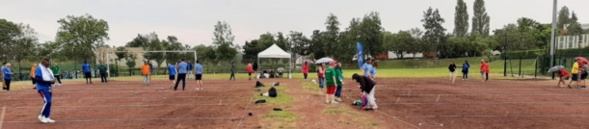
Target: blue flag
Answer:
pixel 360 54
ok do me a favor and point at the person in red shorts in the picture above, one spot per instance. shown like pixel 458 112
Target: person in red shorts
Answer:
pixel 330 81
pixel 563 75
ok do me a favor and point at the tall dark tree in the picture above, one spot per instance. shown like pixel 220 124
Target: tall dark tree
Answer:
pixel 318 47
pixel 331 40
pixel 223 41
pixel 282 41
pixel 461 19
pixel 81 36
pixel 563 18
pixel 480 19
pixel 371 34
pixel 574 27
pixel 434 31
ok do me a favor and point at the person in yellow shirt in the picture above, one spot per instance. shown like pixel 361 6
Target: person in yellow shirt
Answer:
pixel 575 76
pixel 32 75
pixel 146 71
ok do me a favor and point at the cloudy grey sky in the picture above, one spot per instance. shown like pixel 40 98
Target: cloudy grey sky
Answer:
pixel 192 21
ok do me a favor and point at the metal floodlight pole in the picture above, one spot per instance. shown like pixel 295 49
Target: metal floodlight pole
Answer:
pixel 553 35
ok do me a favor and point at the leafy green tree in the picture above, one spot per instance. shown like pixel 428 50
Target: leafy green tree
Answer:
pixel 282 41
pixel 317 46
pixel 399 42
pixel 574 27
pixel 8 30
pixel 371 34
pixel 80 36
pixel 480 19
pixel 417 44
pixel 300 44
pixel 205 53
pixel 251 50
pixel 222 34
pixel 563 17
pixel 172 44
pixel 331 35
pixel 25 43
pixel 130 58
pixel 223 41
pixel 461 19
pixel 434 31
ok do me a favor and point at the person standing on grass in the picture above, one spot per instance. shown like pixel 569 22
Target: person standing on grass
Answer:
pixel 103 71
pixel 368 69
pixel 32 75
pixel 182 69
pixel 330 81
pixel 7 76
pixel 575 76
pixel 172 73
pixel 198 75
pixel 339 82
pixel 45 80
pixel 87 72
pixel 189 69
pixel 465 68
pixel 305 69
pixel 146 72
pixel 452 69
pixel 368 87
pixel 563 75
pixel 321 77
pixel 249 68
pixel 56 73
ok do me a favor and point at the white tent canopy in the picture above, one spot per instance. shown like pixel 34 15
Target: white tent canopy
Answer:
pixel 275 52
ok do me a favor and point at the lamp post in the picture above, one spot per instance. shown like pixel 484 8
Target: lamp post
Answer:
pixel 553 35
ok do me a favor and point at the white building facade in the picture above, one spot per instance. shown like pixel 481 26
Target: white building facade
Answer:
pixel 572 41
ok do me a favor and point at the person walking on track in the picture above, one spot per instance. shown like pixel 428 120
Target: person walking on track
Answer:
pixel 232 77
pixel 7 76
pixel 181 74
pixel 249 68
pixel 45 80
pixel 172 73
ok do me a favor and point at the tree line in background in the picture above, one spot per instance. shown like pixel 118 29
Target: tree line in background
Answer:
pixel 83 37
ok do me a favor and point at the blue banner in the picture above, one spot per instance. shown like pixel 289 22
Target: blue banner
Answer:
pixel 360 54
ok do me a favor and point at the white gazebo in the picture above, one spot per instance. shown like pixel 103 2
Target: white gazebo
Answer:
pixel 276 52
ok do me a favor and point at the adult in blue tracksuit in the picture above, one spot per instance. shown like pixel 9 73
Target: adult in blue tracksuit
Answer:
pixel 87 72
pixel 465 67
pixel 45 80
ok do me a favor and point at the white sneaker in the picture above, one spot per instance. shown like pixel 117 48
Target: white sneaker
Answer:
pixel 49 120
pixel 59 84
pixel 41 119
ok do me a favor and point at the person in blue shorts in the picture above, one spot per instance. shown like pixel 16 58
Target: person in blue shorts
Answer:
pixel 172 73
pixel 189 69
pixel 198 75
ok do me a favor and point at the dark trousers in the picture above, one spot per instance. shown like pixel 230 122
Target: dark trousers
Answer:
pixel 305 75
pixel 338 91
pixel 7 83
pixel 58 78
pixel 464 75
pixel 232 77
pixel 487 75
pixel 181 76
pixel 102 78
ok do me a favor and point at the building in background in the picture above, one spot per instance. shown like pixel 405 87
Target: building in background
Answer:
pixel 573 41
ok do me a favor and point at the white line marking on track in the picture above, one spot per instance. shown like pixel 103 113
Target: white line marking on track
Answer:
pixel 2 116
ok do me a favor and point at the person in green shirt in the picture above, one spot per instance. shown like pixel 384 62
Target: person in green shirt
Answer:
pixel 340 82
pixel 102 69
pixel 330 82
pixel 56 72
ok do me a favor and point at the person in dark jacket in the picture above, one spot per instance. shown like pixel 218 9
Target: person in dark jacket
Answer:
pixel 233 70
pixel 452 69
pixel 465 68
pixel 368 87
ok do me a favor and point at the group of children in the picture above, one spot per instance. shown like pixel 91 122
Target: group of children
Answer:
pixel 331 78
pixel 484 70
pixel 579 72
